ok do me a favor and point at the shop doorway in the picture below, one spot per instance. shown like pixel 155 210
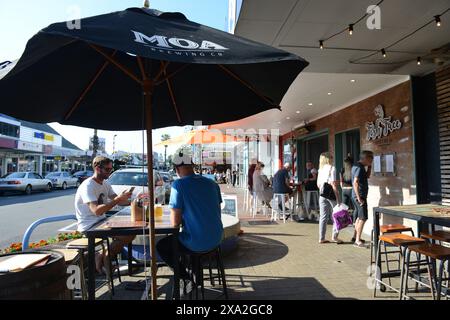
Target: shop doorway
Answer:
pixel 346 143
pixel 11 165
pixel 309 149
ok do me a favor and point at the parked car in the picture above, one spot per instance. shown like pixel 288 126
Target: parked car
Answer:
pixel 83 175
pixel 26 182
pixel 63 180
pixel 168 180
pixel 124 179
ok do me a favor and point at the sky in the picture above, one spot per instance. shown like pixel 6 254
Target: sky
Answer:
pixel 20 20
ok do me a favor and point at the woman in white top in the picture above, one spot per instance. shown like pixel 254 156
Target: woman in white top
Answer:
pixel 327 173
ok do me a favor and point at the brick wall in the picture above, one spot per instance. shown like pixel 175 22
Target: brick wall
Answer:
pixel 388 190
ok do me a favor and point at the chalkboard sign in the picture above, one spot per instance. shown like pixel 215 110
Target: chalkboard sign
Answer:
pixel 229 205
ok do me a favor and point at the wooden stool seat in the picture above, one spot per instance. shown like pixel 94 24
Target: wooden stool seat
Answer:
pixel 69 254
pixel 82 243
pixel 387 228
pixel 438 235
pixel 432 250
pixel 400 239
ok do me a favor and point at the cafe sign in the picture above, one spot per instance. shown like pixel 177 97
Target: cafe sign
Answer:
pixel 382 126
pixel 29 146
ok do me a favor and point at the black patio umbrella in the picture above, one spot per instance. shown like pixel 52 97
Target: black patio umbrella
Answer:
pixel 144 69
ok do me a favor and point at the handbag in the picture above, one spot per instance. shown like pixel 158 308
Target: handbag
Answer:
pixel 327 190
pixel 341 218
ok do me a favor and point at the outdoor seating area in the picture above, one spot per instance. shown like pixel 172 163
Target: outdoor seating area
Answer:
pixel 277 260
pixel 300 152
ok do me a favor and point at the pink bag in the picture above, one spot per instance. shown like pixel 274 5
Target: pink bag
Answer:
pixel 341 217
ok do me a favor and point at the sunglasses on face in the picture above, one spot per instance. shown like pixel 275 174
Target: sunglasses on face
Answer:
pixel 106 169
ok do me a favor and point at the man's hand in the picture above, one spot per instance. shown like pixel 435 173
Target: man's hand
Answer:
pixel 123 197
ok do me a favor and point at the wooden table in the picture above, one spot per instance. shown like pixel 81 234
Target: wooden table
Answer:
pixel 425 215
pixel 103 229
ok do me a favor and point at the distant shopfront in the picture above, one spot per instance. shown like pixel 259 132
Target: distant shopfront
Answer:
pixel 24 148
pixel 383 124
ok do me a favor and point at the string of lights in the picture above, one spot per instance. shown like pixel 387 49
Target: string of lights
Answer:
pixel 348 29
pixel 384 51
pixel 436 19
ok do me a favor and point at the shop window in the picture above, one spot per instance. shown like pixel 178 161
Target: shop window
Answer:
pixel 9 130
pixel 346 144
pixel 309 149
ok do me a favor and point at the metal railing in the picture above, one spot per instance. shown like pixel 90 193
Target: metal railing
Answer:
pixel 34 225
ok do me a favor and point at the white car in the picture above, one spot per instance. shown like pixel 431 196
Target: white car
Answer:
pixel 124 179
pixel 62 180
pixel 26 182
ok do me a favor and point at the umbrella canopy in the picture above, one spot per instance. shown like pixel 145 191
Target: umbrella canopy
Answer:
pixel 141 68
pixel 198 137
pixel 6 67
pixel 71 76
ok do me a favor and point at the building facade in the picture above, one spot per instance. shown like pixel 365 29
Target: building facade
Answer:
pixel 27 146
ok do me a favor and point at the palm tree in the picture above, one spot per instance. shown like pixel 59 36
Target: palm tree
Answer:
pixel 94 144
pixel 165 137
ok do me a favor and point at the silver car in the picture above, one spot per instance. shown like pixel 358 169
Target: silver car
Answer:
pixel 168 180
pixel 26 182
pixel 124 179
pixel 62 180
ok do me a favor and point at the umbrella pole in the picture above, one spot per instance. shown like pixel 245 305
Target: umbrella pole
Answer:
pixel 148 90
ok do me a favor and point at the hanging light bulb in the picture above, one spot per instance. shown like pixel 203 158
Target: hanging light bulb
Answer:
pixel 383 52
pixel 438 20
pixel 147 4
pixel 321 44
pixel 419 61
pixel 350 29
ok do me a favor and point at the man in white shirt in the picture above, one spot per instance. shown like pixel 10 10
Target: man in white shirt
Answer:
pixel 94 198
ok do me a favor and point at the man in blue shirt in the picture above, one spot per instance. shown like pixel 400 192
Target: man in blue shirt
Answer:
pixel 280 182
pixel 195 205
pixel 360 192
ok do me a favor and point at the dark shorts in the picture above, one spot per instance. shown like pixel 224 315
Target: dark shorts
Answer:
pixel 360 211
pixel 347 197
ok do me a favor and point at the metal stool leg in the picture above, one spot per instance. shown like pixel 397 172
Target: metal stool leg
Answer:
pixel 387 262
pixel 211 278
pixel 82 275
pixel 110 275
pixel 222 271
pixel 431 277
pixel 405 277
pixel 439 280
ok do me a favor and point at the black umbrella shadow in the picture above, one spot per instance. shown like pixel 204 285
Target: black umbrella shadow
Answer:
pixel 278 288
pixel 263 250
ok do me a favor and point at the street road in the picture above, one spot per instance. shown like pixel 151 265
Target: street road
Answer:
pixel 18 211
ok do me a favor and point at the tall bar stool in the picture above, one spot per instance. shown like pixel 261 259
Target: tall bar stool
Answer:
pixel 276 212
pixel 82 246
pixel 73 257
pixel 256 204
pixel 433 253
pixel 195 269
pixel 388 228
pixel 439 236
pixel 247 200
pixel 401 241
